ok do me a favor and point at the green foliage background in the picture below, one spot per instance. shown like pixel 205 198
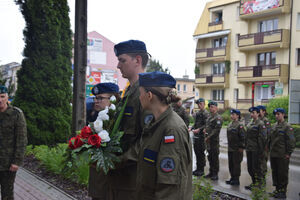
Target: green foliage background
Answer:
pixel 281 102
pixel 154 65
pixel 44 81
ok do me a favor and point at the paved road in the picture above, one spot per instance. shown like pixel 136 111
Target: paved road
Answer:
pixel 30 187
pixel 294 175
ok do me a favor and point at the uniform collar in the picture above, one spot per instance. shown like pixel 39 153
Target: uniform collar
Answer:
pixel 131 89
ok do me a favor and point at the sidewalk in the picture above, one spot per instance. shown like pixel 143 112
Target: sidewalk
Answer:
pixel 30 187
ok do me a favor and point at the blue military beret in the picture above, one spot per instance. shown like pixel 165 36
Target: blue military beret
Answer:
pixel 3 89
pixel 130 46
pixel 278 110
pixel 214 103
pixel 156 79
pixel 200 100
pixel 101 88
pixel 236 111
pixel 261 107
pixel 254 109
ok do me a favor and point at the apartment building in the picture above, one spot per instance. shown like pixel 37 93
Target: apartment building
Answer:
pixel 247 51
pixel 9 72
pixel 185 87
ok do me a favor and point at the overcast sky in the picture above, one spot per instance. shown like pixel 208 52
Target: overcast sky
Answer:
pixel 166 26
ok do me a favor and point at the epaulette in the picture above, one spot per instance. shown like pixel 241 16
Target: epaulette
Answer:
pixel 17 109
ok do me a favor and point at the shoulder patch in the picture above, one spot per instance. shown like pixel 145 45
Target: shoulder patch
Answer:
pixel 167 165
pixel 128 111
pixel 169 139
pixel 150 156
pixel 264 126
pixel 291 129
pixel 148 118
pixel 219 122
pixel 241 127
pixel 268 123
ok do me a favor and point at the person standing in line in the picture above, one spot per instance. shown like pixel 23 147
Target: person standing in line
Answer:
pixel 13 141
pixel 212 130
pixel 179 109
pixel 281 145
pixel 263 117
pixel 256 138
pixel 98 184
pixel 133 58
pixel 236 145
pixel 199 144
pixel 165 155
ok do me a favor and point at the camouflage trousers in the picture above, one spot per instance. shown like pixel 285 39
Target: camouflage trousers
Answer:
pixel 7 179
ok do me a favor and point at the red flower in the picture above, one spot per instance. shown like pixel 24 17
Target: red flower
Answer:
pixel 75 142
pixel 94 140
pixel 71 143
pixel 86 132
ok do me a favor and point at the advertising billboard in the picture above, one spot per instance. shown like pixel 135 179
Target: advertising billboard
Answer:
pixel 253 6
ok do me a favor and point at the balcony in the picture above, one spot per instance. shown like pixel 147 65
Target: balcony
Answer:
pixel 249 10
pixel 245 104
pixel 215 26
pixel 263 73
pixel 212 54
pixel 212 80
pixel 265 40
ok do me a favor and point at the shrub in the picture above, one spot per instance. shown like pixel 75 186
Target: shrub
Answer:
pixel 226 117
pixel 282 102
pixel 202 189
pixel 297 134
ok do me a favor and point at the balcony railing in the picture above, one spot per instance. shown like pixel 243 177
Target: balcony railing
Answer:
pixel 249 10
pixel 215 26
pixel 269 39
pixel 263 73
pixel 206 80
pixel 211 54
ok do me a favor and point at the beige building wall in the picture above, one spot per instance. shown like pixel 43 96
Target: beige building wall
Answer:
pixel 295 42
pixel 189 92
pixel 237 26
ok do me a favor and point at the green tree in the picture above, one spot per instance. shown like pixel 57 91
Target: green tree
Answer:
pixel 154 65
pixel 44 81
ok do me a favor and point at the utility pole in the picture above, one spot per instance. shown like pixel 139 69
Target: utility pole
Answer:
pixel 80 62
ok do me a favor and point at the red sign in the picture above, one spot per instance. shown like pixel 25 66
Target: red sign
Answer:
pixel 97 76
pixel 253 6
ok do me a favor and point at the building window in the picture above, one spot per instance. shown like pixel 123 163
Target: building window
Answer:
pixel 236 95
pixel 298 21
pixel 298 56
pixel 178 87
pixel 264 92
pixel 236 67
pixel 268 58
pixel 218 68
pixel 197 94
pixel 184 88
pixel 217 16
pixel 220 42
pixel 268 25
pixel 193 88
pixel 218 95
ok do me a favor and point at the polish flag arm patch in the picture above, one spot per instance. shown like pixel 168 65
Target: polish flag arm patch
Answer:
pixel 169 139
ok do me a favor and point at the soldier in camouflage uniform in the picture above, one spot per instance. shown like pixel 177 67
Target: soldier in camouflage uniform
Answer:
pixel 281 145
pixel 236 145
pixel 212 130
pixel 177 107
pixel 199 144
pixel 256 138
pixel 263 117
pixel 13 140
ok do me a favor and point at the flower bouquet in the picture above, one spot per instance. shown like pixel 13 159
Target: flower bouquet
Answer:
pixel 99 142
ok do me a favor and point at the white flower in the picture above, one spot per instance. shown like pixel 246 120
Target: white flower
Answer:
pixel 104 136
pixel 102 115
pixel 98 125
pixel 112 98
pixel 112 107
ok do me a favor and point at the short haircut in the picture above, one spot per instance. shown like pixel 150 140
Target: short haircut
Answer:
pixel 145 58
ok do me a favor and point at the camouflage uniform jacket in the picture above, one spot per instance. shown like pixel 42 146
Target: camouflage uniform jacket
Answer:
pixel 200 119
pixel 213 127
pixel 268 126
pixel 256 136
pixel 13 137
pixel 182 113
pixel 165 160
pixel 235 136
pixel 282 140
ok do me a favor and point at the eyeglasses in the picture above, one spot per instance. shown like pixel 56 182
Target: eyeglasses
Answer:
pixel 101 98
